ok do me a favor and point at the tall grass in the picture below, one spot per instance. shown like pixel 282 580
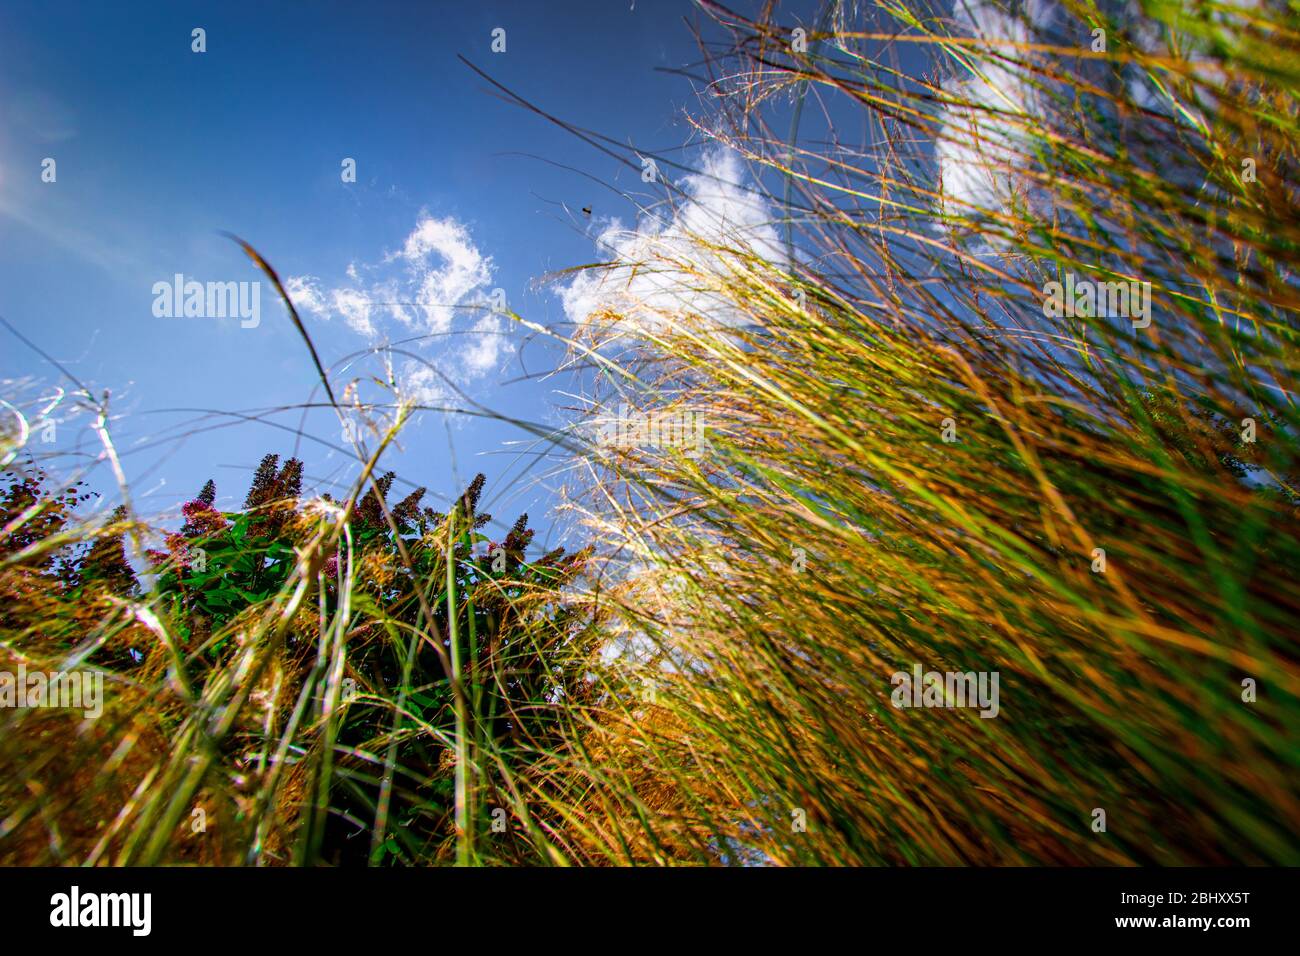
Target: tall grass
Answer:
pixel 908 462
pixel 831 537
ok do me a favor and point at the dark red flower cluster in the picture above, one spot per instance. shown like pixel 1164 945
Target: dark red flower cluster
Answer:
pixel 201 519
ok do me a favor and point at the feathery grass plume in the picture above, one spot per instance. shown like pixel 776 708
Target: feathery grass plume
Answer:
pixel 951 428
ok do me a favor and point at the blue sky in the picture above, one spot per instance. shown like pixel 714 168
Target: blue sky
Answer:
pixel 159 149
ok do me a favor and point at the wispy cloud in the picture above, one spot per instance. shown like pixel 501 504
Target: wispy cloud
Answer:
pixel 671 263
pixel 437 282
pixel 446 268
pixel 981 146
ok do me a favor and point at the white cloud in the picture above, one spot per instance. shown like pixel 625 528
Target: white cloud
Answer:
pixel 981 146
pixel 354 306
pixel 482 353
pixel 423 385
pixel 673 263
pixel 304 291
pixel 438 279
pixel 445 267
